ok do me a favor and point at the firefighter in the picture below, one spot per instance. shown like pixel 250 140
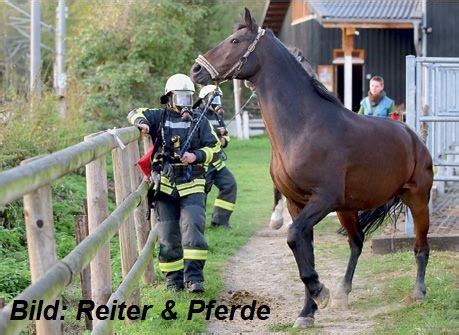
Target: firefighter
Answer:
pixel 218 173
pixel 180 200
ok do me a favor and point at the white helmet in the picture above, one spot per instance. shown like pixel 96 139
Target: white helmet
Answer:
pixel 208 89
pixel 179 82
pixel 182 88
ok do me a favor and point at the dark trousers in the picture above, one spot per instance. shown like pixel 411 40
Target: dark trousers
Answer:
pixel 226 199
pixel 182 246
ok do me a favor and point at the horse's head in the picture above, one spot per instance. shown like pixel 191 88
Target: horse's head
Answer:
pixel 232 58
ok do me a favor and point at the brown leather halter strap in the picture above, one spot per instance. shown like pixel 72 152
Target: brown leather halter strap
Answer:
pixel 236 68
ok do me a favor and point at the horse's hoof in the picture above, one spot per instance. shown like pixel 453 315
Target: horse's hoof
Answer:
pixel 418 295
pixel 276 224
pixel 323 298
pixel 303 322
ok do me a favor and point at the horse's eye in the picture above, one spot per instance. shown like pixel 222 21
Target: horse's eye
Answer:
pixel 234 41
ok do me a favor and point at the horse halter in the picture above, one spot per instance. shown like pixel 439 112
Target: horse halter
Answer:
pixel 201 60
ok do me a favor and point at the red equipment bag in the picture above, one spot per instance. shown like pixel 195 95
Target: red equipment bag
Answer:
pixel 144 163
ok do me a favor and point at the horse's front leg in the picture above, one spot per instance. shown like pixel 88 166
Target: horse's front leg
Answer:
pixel 300 238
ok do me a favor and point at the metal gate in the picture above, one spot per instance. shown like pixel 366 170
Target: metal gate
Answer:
pixel 432 107
pixel 432 110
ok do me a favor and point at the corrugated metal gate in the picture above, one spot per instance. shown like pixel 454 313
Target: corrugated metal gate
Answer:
pixel 432 105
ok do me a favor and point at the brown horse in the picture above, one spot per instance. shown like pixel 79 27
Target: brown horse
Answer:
pixel 324 157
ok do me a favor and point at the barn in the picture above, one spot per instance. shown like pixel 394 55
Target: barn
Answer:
pixel 348 42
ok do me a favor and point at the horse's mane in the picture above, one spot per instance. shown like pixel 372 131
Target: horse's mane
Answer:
pixel 318 86
pixel 296 52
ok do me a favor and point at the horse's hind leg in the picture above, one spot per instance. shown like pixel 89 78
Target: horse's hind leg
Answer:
pixel 300 238
pixel 418 204
pixel 349 220
pixel 276 217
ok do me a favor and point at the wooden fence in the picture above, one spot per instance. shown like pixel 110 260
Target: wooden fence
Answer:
pixel 50 276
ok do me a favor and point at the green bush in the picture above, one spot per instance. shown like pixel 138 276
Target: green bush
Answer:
pixel 26 133
pixel 14 277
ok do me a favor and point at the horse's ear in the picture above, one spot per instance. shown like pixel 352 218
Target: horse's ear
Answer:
pixel 249 22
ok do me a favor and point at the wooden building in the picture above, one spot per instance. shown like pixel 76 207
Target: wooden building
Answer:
pixel 348 42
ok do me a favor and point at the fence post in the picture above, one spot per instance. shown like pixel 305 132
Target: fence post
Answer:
pixel 237 108
pixel 97 203
pixel 245 125
pixel 140 213
pixel 81 232
pixel 127 229
pixel 41 245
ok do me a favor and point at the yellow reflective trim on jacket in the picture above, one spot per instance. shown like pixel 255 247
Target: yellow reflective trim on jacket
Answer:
pixel 166 186
pixel 218 165
pixel 166 189
pixel 209 151
pixel 171 266
pixel 227 138
pixel 209 154
pixel 138 114
pixel 166 181
pixel 196 254
pixel 194 182
pixel 195 189
pixel 224 204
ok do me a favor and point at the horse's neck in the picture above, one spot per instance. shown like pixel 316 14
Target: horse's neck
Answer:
pixel 287 98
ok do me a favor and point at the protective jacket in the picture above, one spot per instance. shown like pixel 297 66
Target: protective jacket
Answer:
pixel 204 144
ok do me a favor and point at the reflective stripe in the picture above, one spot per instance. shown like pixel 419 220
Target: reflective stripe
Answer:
pixel 177 125
pixel 166 186
pixel 188 191
pixel 209 154
pixel 197 254
pixel 214 122
pixel 218 165
pixel 194 186
pixel 136 114
pixel 192 183
pixel 166 189
pixel 224 204
pixel 166 181
pixel 221 166
pixel 171 266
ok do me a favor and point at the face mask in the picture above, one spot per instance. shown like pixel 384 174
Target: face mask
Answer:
pixel 182 98
pixel 216 101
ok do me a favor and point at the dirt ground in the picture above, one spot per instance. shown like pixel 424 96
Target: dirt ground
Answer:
pixel 265 270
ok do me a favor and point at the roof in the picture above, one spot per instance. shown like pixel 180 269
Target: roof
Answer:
pixel 358 13
pixel 370 11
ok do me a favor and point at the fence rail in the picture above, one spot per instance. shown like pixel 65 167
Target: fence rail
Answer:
pixel 32 180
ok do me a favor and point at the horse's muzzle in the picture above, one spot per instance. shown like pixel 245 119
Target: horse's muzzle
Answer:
pixel 200 75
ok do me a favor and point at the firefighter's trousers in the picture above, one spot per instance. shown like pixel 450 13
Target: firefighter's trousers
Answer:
pixel 182 246
pixel 226 199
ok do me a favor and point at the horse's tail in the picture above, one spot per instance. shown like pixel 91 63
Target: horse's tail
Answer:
pixel 371 219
